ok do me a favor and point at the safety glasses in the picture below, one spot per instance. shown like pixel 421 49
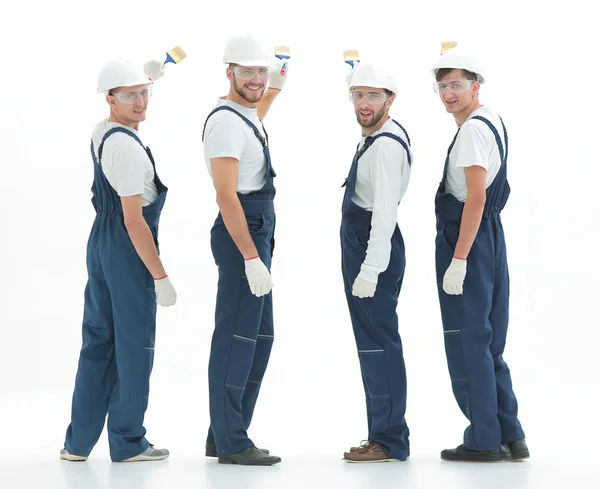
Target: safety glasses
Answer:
pixel 246 73
pixel 131 96
pixel 372 98
pixel 455 86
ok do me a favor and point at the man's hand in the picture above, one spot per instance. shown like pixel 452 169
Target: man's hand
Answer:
pixel 165 292
pixel 155 69
pixel 259 278
pixel 455 277
pixel 362 289
pixel 278 74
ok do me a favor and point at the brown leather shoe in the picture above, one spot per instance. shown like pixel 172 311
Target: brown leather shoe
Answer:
pixel 369 453
pixel 363 443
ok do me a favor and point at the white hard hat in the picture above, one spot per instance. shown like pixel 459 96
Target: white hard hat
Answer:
pixel 367 75
pixel 459 59
pixel 245 51
pixel 120 73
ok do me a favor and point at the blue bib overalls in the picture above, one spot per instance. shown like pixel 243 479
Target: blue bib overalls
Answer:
pixel 119 324
pixel 243 335
pixel 476 322
pixel 375 321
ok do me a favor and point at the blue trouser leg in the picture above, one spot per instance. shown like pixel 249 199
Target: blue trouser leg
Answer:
pixel 475 332
pixel 375 325
pixel 238 357
pixel 507 402
pixel 262 353
pixel 96 373
pixel 134 309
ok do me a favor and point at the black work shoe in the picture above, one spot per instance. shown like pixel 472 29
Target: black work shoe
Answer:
pixel 250 456
pixel 464 454
pixel 211 450
pixel 515 451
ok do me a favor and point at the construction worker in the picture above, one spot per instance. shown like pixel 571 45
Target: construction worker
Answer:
pixel 472 270
pixel 242 238
pixel 126 278
pixel 373 261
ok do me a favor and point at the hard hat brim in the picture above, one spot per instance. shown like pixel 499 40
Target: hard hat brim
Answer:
pixel 131 84
pixel 251 62
pixel 374 85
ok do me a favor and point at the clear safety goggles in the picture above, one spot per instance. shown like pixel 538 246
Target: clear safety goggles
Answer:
pixel 131 96
pixel 246 73
pixel 455 86
pixel 373 98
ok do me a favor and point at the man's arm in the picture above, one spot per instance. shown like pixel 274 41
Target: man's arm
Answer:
pixel 141 236
pixel 225 178
pixel 473 210
pixel 265 102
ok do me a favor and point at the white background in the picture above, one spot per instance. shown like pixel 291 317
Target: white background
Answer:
pixel 542 79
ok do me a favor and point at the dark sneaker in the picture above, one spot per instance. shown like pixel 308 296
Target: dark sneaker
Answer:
pixel 515 451
pixel 211 450
pixel 464 454
pixel 250 456
pixel 371 452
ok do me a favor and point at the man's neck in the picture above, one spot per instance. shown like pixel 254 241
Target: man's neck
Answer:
pixel 463 115
pixel 233 96
pixel 369 131
pixel 118 120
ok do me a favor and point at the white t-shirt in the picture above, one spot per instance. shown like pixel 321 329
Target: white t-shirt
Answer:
pixel 228 135
pixel 125 163
pixel 382 179
pixel 475 146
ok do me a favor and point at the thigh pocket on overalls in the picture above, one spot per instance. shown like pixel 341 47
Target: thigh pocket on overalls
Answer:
pixel 240 362
pixel 375 377
pixel 256 223
pixel 448 231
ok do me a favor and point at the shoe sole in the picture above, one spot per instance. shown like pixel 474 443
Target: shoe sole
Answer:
pixel 522 458
pixel 146 459
pixel 371 461
pixel 73 458
pixel 473 461
pixel 214 454
pixel 228 461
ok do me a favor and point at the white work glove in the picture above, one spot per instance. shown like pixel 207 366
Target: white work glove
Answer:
pixel 155 69
pixel 259 278
pixel 351 73
pixel 362 288
pixel 278 73
pixel 455 277
pixel 165 292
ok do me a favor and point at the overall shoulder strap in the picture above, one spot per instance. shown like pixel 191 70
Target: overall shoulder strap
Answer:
pixel 496 135
pixel 403 130
pixel 110 133
pixel 371 139
pixel 257 133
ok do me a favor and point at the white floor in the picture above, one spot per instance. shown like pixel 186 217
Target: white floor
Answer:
pixel 33 427
pixel 297 471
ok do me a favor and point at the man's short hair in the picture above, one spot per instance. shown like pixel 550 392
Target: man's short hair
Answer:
pixel 442 72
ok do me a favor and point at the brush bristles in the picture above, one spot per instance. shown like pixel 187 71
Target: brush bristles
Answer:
pixel 446 45
pixel 177 54
pixel 351 55
pixel 282 51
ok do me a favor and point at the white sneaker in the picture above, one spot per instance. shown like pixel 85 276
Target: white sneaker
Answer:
pixel 71 458
pixel 150 455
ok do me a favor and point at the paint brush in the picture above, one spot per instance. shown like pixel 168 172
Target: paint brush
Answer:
pixel 351 56
pixel 446 45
